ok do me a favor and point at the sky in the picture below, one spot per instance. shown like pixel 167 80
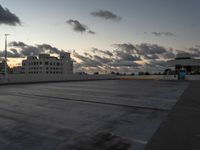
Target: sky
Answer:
pixel 106 25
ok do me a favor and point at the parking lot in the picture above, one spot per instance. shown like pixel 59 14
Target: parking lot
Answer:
pixel 87 115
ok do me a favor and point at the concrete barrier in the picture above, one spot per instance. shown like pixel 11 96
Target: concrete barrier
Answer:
pixel 159 77
pixel 169 77
pixel 22 78
pixel 148 77
pixel 192 77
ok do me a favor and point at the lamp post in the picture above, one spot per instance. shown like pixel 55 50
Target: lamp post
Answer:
pixel 5 69
pixel 110 65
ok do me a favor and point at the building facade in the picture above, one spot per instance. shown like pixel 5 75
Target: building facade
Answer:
pixel 46 64
pixel 184 62
pixel 16 70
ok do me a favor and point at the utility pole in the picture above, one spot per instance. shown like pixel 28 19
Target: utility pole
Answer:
pixel 5 69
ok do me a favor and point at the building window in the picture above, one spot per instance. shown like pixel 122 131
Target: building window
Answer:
pixel 46 63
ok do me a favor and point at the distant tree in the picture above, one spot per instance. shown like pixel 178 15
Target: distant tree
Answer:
pixel 112 72
pixel 132 74
pixel 140 73
pixel 147 73
pixel 82 73
pixel 118 74
pixel 96 73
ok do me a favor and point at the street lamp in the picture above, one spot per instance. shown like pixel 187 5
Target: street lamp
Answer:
pixel 5 69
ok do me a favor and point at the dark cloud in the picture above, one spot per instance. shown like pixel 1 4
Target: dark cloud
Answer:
pixel 17 44
pixel 150 56
pixel 145 49
pixel 79 27
pixel 125 56
pixel 104 52
pixel 155 56
pixel 163 33
pixel 169 55
pixel 125 46
pixel 47 47
pixel 158 63
pixel 125 64
pixel 102 60
pixel 86 61
pixel 29 50
pixel 91 32
pixel 88 55
pixel 105 14
pixel 13 53
pixel 156 66
pixel 8 18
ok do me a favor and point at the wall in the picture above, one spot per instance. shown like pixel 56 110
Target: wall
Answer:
pixel 22 78
pixel 192 77
pixel 148 77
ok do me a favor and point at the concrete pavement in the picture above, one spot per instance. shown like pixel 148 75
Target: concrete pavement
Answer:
pixel 181 129
pixel 89 115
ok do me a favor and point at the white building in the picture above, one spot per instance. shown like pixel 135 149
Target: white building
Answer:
pixel 46 64
pixel 186 62
pixel 16 70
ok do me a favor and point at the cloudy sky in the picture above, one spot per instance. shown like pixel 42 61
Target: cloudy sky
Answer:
pixel 135 34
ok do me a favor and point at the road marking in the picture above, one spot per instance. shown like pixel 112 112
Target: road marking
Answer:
pixel 138 141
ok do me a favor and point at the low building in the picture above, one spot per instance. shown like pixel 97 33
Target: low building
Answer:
pixel 16 70
pixel 46 64
pixel 2 67
pixel 184 62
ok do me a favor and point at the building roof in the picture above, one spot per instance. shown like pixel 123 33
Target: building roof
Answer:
pixel 183 56
pixel 184 62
